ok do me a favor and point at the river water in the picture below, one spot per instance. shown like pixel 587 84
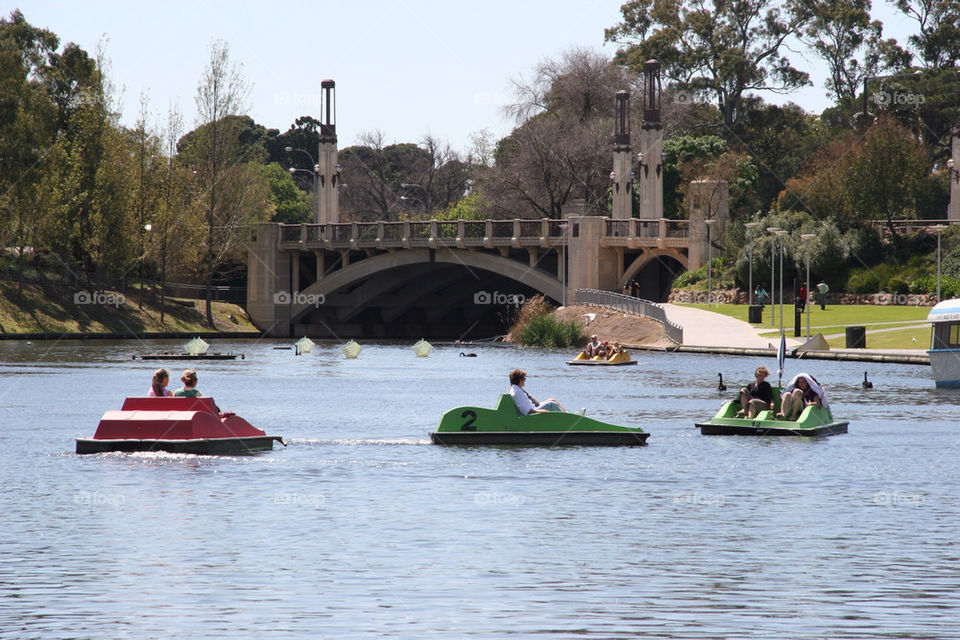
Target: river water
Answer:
pixel 361 528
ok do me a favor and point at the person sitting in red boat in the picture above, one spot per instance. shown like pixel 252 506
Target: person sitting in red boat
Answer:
pixel 158 387
pixel 189 388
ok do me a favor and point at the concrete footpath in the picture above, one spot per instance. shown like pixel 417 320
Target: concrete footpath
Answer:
pixel 709 332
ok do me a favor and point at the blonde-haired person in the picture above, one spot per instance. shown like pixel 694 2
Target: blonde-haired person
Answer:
pixel 189 388
pixel 158 385
pixel 756 396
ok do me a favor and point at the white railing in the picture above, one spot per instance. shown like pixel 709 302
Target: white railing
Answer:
pixel 636 306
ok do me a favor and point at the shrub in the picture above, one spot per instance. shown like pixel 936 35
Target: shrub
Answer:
pixel 896 284
pixel 547 331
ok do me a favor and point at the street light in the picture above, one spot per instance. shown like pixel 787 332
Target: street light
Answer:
pixel 780 234
pixel 425 201
pixel 807 237
pixel 750 227
pixel 773 258
pixel 563 266
pixel 316 178
pixel 709 222
pixel 938 229
pixel 912 74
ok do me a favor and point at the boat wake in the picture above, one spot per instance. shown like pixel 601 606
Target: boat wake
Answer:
pixel 359 441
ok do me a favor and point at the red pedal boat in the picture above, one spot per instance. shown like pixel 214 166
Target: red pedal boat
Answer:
pixel 177 425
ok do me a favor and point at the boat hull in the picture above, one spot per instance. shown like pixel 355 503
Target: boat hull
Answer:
pixel 197 446
pixel 177 425
pixel 945 366
pixel 602 363
pixel 503 426
pixel 769 428
pixel 541 438
pixel 814 421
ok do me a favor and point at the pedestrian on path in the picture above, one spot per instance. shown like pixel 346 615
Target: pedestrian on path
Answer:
pixel 822 290
pixel 803 298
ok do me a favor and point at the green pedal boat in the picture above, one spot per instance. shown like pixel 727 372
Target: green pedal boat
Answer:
pixel 504 426
pixel 814 421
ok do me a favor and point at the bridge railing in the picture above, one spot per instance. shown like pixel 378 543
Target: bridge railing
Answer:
pixel 545 232
pixel 636 306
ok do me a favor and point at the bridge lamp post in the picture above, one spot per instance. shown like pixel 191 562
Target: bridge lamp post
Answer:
pixel 316 176
pixel 424 202
pixel 709 222
pixel 807 237
pixel 780 234
pixel 773 258
pixel 938 229
pixel 565 226
pixel 750 227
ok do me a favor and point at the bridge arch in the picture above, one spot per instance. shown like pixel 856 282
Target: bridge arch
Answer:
pixel 420 287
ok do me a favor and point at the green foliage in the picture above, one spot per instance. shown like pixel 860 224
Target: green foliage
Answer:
pixel 289 203
pixel 696 279
pixel 949 285
pixel 547 331
pixel 467 208
pixel 721 49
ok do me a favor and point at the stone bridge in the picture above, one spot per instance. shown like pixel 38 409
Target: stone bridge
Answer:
pixel 450 279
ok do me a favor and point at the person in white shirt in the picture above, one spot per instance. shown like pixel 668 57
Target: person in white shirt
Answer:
pixel 526 403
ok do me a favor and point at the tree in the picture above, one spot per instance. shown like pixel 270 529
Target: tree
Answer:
pixel 289 204
pixel 560 148
pixel 27 116
pixel 222 92
pixel 843 35
pixel 726 49
pixel 938 42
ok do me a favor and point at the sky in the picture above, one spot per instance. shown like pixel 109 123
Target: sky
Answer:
pixel 406 68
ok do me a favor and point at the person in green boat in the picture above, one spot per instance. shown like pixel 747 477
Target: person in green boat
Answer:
pixel 802 390
pixel 756 396
pixel 189 388
pixel 526 403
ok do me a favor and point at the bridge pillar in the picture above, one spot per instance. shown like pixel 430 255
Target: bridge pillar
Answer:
pixel 328 167
pixel 953 212
pixel 650 166
pixel 269 277
pixel 590 265
pixel 622 175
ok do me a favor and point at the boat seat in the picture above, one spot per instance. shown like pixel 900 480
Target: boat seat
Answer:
pixel 508 407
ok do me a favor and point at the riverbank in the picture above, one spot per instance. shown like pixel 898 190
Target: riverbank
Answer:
pixel 39 311
pixel 634 332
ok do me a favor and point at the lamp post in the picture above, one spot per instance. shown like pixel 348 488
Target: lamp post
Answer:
pixel 773 258
pixel 709 222
pixel 912 74
pixel 780 234
pixel 315 173
pixel 938 229
pixel 750 227
pixel 807 237
pixel 425 201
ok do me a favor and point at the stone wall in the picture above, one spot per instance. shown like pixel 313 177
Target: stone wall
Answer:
pixel 736 296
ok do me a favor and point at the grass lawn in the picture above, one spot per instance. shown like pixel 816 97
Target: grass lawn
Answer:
pixel 881 323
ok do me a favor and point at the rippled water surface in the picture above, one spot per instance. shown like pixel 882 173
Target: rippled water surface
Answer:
pixel 361 528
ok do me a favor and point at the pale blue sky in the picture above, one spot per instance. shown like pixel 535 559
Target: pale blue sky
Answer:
pixel 407 68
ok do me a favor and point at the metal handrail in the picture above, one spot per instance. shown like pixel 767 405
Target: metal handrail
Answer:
pixel 636 306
